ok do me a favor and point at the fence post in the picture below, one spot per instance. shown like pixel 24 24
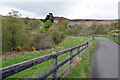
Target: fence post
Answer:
pixel 78 49
pixel 71 61
pixel 54 63
pixel 87 44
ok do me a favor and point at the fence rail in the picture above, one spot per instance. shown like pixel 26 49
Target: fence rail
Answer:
pixel 8 71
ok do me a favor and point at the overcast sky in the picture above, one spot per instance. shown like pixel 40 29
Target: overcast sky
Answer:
pixel 82 9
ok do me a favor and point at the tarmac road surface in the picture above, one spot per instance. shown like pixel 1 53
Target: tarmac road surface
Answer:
pixel 105 59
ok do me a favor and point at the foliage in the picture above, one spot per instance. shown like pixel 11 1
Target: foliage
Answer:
pixel 72 31
pixel 95 28
pixel 56 36
pixel 14 13
pixel 33 49
pixel 34 24
pixel 53 36
pixel 13 33
pixel 19 48
pixel 26 20
pixel 49 17
pixel 47 24
pixel 54 33
pixel 28 48
pixel 44 43
pixel 99 29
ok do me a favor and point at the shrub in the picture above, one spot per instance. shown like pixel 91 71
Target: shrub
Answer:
pixel 73 31
pixel 45 43
pixel 56 36
pixel 56 33
pixel 33 49
pixel 35 39
pixel 22 52
pixel 19 48
pixel 28 48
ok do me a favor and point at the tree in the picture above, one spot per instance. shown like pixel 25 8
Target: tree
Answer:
pixel 47 24
pixel 14 13
pixel 26 20
pixel 49 17
pixel 13 32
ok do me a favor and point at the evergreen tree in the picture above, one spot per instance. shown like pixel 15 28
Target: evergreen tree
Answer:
pixel 49 17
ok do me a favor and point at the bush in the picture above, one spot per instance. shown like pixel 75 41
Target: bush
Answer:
pixel 19 48
pixel 73 31
pixel 35 38
pixel 55 34
pixel 28 48
pixel 45 43
pixel 33 49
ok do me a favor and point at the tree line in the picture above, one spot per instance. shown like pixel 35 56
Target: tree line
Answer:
pixel 24 32
pixel 44 34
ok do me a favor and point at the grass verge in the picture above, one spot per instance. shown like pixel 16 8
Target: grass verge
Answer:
pixel 82 67
pixel 115 39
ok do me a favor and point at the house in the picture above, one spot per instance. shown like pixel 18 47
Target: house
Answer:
pixel 72 25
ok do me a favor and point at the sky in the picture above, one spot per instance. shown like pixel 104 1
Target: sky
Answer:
pixel 72 9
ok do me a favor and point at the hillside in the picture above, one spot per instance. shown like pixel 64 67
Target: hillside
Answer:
pixel 87 20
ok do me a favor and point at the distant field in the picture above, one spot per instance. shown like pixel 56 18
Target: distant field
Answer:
pixel 82 23
pixel 89 23
pixel 66 43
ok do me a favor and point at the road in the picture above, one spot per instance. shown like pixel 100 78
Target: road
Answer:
pixel 105 59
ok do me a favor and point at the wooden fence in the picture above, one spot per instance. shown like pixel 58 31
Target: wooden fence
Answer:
pixel 8 71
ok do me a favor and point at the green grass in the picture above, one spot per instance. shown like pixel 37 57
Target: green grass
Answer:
pixel 82 67
pixel 66 43
pixel 73 41
pixel 115 39
pixel 83 23
pixel 20 57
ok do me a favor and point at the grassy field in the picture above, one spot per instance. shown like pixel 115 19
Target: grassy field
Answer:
pixel 8 60
pixel 73 41
pixel 35 71
pixel 87 23
pixel 82 67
